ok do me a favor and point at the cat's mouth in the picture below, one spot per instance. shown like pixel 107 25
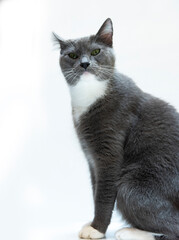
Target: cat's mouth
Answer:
pixel 88 71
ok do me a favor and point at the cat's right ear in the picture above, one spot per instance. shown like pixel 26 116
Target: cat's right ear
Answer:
pixel 58 40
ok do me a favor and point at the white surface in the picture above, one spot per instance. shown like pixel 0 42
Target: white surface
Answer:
pixel 67 232
pixel 45 189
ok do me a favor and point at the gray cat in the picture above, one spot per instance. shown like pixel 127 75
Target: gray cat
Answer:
pixel 130 139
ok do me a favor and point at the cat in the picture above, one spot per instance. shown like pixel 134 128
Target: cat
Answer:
pixel 130 139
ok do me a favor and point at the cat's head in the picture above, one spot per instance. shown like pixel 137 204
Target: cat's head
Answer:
pixel 88 55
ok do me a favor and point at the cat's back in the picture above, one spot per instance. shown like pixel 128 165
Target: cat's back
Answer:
pixel 155 122
pixel 151 150
pixel 157 126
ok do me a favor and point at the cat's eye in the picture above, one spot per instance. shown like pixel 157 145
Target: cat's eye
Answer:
pixel 95 52
pixel 73 55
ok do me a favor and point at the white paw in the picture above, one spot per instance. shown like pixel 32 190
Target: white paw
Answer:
pixel 89 232
pixel 123 234
pixel 133 234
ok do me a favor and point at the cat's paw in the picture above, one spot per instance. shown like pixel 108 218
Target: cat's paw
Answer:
pixel 89 232
pixel 133 234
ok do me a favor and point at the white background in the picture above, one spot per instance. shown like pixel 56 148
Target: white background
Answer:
pixel 45 189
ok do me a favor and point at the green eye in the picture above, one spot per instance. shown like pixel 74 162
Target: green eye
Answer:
pixel 95 52
pixel 73 55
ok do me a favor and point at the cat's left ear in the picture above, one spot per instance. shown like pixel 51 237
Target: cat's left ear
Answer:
pixel 59 41
pixel 105 33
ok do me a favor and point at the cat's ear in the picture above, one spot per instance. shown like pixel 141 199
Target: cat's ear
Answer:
pixel 59 41
pixel 105 33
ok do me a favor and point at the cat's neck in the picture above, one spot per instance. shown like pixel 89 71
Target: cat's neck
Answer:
pixel 85 93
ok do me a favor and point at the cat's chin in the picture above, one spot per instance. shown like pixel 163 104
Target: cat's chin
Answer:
pixel 86 73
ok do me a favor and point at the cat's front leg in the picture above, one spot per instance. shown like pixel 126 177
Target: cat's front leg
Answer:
pixel 105 195
pixel 93 181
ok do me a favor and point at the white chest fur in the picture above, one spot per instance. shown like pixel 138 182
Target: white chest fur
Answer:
pixel 86 92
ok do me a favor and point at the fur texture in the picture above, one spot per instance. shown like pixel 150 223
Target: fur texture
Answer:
pixel 131 141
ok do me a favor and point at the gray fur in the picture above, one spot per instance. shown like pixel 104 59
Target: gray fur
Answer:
pixel 131 140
